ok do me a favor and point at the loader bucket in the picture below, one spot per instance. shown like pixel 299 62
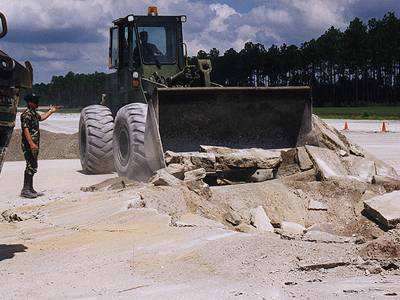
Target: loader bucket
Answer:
pixel 266 118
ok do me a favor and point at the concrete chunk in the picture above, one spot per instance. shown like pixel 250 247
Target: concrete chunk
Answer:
pixel 303 159
pixel 328 136
pixel 195 175
pixel 360 167
pixel 384 170
pixel 163 178
pixel 216 149
pixel 316 205
pixel 260 220
pixel 192 160
pixel 262 175
pixel 293 228
pixel 199 187
pixel 385 209
pixel 177 170
pixel 249 158
pixel 327 162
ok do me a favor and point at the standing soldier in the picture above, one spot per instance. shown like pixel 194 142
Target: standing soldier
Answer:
pixel 30 119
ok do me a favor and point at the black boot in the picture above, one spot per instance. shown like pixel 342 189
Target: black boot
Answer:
pixel 32 189
pixel 26 190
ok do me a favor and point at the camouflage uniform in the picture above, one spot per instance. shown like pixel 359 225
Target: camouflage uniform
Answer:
pixel 30 119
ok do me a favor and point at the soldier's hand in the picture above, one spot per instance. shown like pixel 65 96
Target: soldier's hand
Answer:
pixel 34 147
pixel 54 108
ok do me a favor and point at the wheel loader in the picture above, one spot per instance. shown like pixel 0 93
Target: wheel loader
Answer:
pixel 155 101
pixel 14 77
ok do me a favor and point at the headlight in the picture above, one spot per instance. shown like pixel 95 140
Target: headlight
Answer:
pixel 135 75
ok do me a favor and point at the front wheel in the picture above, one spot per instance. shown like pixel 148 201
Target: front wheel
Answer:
pixel 96 127
pixel 128 148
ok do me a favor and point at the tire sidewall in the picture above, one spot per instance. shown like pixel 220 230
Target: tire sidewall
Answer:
pixel 121 125
pixel 83 145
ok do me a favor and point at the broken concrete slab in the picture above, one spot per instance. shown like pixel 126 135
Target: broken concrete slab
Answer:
pixel 163 178
pixel 233 217
pixel 192 160
pixel 177 170
pixel 262 175
pixel 110 184
pixel 384 170
pixel 303 159
pixel 279 202
pixel 327 162
pixel 384 209
pixel 360 167
pixel 316 205
pixel 292 228
pixel 260 220
pixel 289 164
pixel 357 150
pixel 199 187
pixel 249 158
pixel 245 228
pixel 389 184
pixel 307 176
pixel 195 175
pixel 216 149
pixel 328 136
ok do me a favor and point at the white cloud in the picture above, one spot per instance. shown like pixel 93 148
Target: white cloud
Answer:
pixel 321 13
pixel 222 13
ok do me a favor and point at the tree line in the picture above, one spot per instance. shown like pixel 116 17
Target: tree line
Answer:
pixel 355 66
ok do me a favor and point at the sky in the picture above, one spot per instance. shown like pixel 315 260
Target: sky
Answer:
pixel 59 36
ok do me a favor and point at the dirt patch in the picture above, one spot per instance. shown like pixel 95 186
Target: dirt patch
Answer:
pixel 384 247
pixel 52 146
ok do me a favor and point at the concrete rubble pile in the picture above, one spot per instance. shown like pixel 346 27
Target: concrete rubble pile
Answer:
pixel 298 190
pixel 329 191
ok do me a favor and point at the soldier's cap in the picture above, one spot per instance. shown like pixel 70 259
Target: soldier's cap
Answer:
pixel 32 98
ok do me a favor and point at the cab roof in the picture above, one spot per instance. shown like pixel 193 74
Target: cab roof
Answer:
pixel 149 18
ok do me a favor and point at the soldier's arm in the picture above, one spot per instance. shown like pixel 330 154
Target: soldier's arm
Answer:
pixel 51 111
pixel 29 139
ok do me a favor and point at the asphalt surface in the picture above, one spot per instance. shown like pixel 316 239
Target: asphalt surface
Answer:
pixel 364 125
pixel 368 134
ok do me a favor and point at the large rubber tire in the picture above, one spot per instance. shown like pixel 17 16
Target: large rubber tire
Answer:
pixel 96 126
pixel 128 148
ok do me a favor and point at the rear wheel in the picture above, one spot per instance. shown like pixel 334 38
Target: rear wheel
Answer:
pixel 128 148
pixel 96 126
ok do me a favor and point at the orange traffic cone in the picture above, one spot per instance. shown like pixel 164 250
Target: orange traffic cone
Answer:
pixel 384 127
pixel 346 126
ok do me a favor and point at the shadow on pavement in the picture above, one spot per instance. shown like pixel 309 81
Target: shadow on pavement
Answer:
pixel 8 251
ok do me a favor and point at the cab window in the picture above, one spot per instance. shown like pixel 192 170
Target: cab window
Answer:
pixel 114 51
pixel 158 44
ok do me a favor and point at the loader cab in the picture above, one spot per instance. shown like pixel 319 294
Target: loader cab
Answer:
pixel 147 44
